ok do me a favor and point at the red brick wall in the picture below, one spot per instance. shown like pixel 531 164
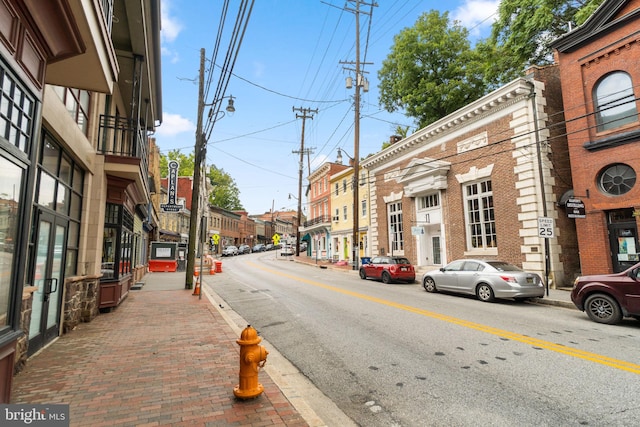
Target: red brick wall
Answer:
pixel 581 69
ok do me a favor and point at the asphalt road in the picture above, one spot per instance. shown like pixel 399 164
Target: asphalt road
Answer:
pixel 394 355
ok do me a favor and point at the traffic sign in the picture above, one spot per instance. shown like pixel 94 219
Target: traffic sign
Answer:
pixel 276 239
pixel 546 227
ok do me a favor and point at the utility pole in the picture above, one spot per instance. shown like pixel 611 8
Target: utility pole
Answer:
pixel 360 82
pixel 304 118
pixel 195 194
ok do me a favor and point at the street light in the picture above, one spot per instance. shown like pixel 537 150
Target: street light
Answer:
pixel 355 238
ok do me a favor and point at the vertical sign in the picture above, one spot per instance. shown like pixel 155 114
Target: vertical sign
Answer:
pixel 171 205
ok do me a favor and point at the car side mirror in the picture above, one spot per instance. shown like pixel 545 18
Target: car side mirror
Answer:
pixel 442 269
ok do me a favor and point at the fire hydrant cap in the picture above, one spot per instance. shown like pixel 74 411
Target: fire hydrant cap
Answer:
pixel 249 336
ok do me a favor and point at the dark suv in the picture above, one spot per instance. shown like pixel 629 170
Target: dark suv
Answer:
pixel 607 298
pixel 244 249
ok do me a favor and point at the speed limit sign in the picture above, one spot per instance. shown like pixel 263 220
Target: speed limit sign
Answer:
pixel 546 228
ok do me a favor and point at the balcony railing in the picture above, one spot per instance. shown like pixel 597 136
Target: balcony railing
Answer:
pixel 318 220
pixel 123 137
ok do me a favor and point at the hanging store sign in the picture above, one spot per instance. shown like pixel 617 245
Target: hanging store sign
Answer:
pixel 172 205
pixel 575 208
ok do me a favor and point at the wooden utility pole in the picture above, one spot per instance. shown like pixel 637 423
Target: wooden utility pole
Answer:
pixel 304 117
pixel 359 82
pixel 195 192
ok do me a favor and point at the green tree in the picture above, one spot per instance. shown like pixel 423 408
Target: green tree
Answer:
pixel 432 70
pixel 224 193
pixel 185 163
pixel 525 28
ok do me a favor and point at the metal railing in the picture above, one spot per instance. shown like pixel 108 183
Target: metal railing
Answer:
pixel 318 220
pixel 120 136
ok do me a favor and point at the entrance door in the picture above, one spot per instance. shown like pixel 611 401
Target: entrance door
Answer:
pixel 48 276
pixel 623 239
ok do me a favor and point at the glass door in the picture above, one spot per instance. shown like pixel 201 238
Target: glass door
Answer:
pixel 48 276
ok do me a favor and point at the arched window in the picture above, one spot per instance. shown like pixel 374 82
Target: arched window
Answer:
pixel 614 101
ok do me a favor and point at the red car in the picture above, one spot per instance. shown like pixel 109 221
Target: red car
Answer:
pixel 607 298
pixel 389 269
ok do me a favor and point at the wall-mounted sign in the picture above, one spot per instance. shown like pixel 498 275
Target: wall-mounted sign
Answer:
pixel 575 208
pixel 172 183
pixel 417 231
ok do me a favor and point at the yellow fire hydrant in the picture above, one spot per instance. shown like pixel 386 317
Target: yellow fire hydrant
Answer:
pixel 252 358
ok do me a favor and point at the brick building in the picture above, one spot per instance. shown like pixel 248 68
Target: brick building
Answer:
pixel 474 183
pixel 600 77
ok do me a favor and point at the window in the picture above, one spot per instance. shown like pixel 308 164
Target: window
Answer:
pixel 344 212
pixel 396 235
pixel 615 103
pixel 17 108
pixel 337 189
pixel 481 223
pixel 430 201
pixel 60 189
pixel 117 253
pixel 364 207
pixel 344 185
pixel 617 179
pixel 77 103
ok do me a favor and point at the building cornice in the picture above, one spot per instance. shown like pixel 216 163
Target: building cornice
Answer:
pixel 499 99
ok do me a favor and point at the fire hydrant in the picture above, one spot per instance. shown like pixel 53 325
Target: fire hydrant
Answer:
pixel 252 358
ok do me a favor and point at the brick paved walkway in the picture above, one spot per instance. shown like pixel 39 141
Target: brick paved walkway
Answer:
pixel 161 358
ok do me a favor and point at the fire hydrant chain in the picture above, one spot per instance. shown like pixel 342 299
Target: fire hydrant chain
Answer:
pixel 252 358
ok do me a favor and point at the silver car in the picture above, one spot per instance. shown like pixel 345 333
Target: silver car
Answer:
pixel 487 280
pixel 230 251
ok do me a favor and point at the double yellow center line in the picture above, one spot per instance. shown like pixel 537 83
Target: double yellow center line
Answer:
pixel 558 348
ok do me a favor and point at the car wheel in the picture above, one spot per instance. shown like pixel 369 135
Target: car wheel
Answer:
pixel 485 293
pixel 363 275
pixel 429 285
pixel 386 277
pixel 602 308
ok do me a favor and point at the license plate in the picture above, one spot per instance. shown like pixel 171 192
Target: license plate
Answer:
pixel 403 268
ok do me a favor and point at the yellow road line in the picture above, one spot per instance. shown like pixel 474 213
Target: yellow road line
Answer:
pixel 558 348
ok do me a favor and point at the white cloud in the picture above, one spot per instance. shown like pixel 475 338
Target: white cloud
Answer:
pixel 476 15
pixel 174 124
pixel 171 26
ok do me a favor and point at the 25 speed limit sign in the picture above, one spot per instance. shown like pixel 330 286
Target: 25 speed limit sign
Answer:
pixel 546 227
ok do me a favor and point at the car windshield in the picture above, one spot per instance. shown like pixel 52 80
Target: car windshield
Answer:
pixel 400 261
pixel 503 266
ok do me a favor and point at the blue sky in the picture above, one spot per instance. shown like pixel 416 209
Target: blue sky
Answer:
pixel 290 56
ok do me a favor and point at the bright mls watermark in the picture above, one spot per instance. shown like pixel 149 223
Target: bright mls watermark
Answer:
pixel 34 415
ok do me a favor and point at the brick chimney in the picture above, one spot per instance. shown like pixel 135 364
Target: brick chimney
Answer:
pixel 394 138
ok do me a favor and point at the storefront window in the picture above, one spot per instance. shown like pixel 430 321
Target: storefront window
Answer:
pixel 11 177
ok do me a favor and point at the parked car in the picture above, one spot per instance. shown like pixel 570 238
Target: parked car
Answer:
pixel 487 280
pixel 303 246
pixel 244 249
pixel 230 251
pixel 259 248
pixel 607 298
pixel 288 249
pixel 389 269
pixel 269 247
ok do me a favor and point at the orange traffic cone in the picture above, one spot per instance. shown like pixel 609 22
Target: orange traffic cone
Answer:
pixel 196 290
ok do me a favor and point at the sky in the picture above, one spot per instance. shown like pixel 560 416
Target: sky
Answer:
pixel 294 54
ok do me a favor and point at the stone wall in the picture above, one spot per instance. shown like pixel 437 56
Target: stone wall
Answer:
pixel 25 320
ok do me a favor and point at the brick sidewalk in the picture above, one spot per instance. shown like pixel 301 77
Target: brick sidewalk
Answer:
pixel 161 358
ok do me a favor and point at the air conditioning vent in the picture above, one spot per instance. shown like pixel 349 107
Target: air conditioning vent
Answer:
pixel 336 218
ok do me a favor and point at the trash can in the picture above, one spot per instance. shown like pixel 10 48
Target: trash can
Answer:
pixel 365 260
